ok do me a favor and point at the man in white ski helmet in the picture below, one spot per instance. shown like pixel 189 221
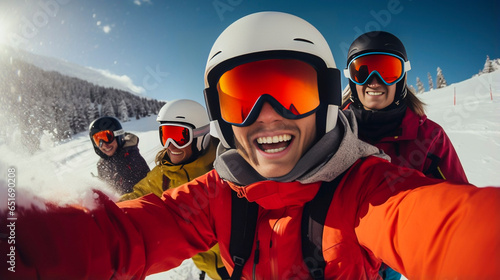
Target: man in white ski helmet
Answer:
pixel 272 92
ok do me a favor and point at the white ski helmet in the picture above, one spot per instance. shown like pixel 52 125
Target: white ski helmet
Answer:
pixel 188 112
pixel 272 35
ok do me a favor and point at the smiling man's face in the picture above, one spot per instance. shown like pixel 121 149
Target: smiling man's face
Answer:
pixel 273 145
pixel 109 149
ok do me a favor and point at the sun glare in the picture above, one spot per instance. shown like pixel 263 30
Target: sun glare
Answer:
pixel 5 25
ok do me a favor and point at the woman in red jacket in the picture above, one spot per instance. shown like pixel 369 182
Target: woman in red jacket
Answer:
pixel 389 114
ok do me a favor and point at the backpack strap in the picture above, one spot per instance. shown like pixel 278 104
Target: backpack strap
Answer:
pixel 243 224
pixel 313 221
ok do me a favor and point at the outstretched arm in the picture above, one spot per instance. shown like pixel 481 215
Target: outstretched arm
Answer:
pixel 439 231
pixel 132 240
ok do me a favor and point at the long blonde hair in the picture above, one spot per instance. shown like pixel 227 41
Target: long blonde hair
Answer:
pixel 160 156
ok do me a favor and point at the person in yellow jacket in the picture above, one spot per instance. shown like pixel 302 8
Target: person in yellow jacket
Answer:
pixel 188 152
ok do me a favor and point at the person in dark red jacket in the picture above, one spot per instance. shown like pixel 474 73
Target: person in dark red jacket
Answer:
pixel 389 114
pixel 273 93
pixel 120 165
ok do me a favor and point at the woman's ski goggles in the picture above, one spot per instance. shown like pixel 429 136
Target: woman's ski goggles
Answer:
pixel 180 135
pixel 388 67
pixel 290 86
pixel 105 136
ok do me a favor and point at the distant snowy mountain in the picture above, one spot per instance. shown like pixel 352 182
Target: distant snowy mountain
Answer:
pixel 99 77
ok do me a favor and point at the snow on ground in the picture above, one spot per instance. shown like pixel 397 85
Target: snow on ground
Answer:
pixel 468 111
pixel 470 114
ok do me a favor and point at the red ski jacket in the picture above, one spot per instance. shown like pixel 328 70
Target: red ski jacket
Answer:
pixel 423 227
pixel 423 145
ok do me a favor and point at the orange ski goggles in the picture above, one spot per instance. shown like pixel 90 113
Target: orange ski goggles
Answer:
pixel 180 135
pixel 105 136
pixel 289 85
pixel 388 67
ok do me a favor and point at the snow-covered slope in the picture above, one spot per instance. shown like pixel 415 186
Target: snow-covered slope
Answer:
pixel 469 112
pixel 63 172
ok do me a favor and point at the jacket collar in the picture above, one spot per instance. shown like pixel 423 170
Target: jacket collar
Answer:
pixel 275 195
pixel 409 126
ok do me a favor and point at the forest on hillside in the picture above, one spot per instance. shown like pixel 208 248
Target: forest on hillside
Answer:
pixel 35 103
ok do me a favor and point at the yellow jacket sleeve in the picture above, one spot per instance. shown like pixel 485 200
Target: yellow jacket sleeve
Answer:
pixel 210 262
pixel 152 183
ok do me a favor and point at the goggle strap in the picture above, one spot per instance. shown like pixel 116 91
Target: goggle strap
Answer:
pixel 407 66
pixel 118 132
pixel 200 131
pixel 346 73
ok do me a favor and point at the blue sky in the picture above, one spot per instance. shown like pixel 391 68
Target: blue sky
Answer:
pixel 162 46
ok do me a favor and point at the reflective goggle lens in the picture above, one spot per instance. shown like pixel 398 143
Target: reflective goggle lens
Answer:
pixel 181 136
pixel 292 83
pixel 106 136
pixel 390 68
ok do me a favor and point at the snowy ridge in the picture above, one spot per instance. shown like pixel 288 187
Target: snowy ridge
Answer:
pixel 99 77
pixel 469 112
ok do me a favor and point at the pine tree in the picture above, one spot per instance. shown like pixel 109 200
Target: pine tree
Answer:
pixel 62 128
pixel 420 86
pixel 139 110
pixel 147 109
pixel 488 66
pixel 92 111
pixel 81 120
pixel 412 88
pixel 123 111
pixel 440 80
pixel 431 83
pixel 107 109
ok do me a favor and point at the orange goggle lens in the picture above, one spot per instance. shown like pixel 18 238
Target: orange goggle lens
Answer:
pixel 388 67
pixel 106 136
pixel 181 136
pixel 292 83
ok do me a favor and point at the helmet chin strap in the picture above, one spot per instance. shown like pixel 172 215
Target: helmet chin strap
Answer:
pixel 400 95
pixel 332 113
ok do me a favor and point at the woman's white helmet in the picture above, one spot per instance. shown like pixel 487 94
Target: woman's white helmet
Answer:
pixel 268 35
pixel 190 112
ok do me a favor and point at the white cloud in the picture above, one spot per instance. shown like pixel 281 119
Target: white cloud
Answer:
pixel 106 29
pixel 139 2
pixel 124 81
pixel 98 22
